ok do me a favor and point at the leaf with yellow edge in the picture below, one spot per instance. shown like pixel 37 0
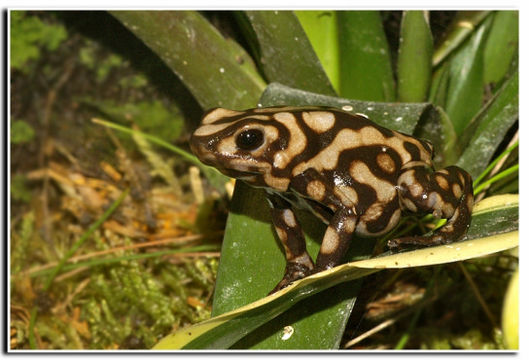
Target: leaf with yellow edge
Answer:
pixel 494 228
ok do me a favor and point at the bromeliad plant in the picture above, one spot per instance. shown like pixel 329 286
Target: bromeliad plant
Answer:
pixel 461 93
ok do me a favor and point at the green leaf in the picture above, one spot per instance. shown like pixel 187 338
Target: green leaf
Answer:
pixel 465 89
pixel 395 116
pixel 284 51
pixel 365 61
pixel 438 129
pixel 217 71
pixel 486 132
pixel 502 44
pixel 415 57
pixel 500 213
pixel 462 27
pixel 322 30
pixel 439 87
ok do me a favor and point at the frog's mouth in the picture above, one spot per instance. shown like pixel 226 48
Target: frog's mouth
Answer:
pixel 246 175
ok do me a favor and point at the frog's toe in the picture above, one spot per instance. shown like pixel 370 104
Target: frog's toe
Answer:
pixel 421 241
pixel 293 272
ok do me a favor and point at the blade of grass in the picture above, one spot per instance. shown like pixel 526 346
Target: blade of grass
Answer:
pixel 184 240
pixel 365 63
pixel 217 179
pixel 415 57
pixel 61 265
pixel 493 164
pixel 461 29
pixel 497 177
pixel 83 238
pixel 112 260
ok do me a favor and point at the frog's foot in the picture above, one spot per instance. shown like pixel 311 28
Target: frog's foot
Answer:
pixel 293 271
pixel 446 194
pixel 420 241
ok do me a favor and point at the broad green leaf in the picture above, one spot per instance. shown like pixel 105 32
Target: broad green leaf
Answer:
pixel 217 71
pixel 415 57
pixel 365 61
pixel 397 116
pixel 294 329
pixel 502 44
pixel 321 29
pixel 284 51
pixel 486 132
pixel 465 89
pixel 462 27
pixel 499 212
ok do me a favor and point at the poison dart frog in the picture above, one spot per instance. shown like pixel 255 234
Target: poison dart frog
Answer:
pixel 357 176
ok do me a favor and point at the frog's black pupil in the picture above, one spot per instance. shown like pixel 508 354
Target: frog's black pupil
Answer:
pixel 250 139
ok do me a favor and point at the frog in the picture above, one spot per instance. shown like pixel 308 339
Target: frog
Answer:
pixel 356 176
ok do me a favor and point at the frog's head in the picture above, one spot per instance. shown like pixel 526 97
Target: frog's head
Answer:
pixel 239 144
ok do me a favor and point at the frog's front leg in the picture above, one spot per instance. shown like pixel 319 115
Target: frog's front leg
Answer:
pixel 336 240
pixel 288 230
pixel 446 194
pixel 341 225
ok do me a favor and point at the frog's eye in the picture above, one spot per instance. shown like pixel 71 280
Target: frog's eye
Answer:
pixel 250 139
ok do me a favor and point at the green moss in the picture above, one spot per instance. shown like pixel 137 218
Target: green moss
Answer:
pixel 29 35
pixel 19 189
pixel 21 132
pixel 128 300
pixel 20 240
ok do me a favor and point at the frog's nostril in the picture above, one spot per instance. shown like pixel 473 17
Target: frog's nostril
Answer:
pixel 203 148
pixel 194 145
pixel 199 146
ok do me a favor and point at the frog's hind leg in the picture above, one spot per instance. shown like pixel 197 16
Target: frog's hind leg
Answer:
pixel 288 230
pixel 446 194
